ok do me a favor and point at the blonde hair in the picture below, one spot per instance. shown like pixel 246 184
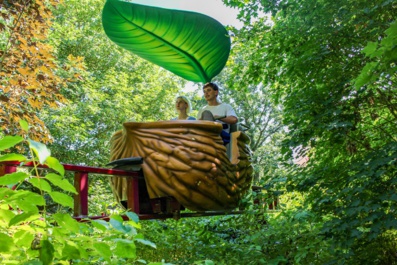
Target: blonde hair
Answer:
pixel 187 101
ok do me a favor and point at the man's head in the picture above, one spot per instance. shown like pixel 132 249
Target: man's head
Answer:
pixel 212 85
pixel 210 91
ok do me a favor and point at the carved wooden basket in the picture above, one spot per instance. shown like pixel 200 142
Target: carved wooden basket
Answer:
pixel 186 160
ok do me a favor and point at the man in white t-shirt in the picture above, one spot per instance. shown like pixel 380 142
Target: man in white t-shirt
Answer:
pixel 215 110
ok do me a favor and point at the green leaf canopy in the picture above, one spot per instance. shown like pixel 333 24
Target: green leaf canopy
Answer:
pixel 191 45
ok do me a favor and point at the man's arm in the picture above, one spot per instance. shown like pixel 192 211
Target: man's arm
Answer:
pixel 230 120
pixel 231 117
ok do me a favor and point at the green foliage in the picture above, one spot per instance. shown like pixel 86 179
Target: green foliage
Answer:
pixel 29 72
pixel 331 64
pixel 383 55
pixel 259 236
pixel 258 113
pixel 191 45
pixel 29 235
pixel 9 141
pixel 117 86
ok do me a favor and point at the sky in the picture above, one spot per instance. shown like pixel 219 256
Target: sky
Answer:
pixel 213 8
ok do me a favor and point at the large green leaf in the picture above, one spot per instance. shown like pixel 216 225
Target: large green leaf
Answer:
pixel 191 45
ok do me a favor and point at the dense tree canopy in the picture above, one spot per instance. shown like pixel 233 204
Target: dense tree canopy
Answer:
pixel 331 64
pixel 116 87
pixel 28 68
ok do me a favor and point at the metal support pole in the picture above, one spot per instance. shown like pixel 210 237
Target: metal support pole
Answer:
pixel 81 199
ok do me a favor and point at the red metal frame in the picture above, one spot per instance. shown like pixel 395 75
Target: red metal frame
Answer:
pixel 81 183
pixel 81 198
pixel 133 195
pixel 138 199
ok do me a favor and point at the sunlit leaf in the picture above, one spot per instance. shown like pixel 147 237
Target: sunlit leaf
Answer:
pixel 5 217
pixel 24 125
pixel 28 197
pixel 66 221
pixel 62 199
pixel 25 205
pixel 6 243
pixel 41 184
pixel 191 45
pixel 24 238
pixel 9 141
pixel 12 157
pixel 13 178
pixel 46 252
pixel 53 163
pixel 24 217
pixel 103 249
pixel 40 150
pixel 60 182
pixel 370 48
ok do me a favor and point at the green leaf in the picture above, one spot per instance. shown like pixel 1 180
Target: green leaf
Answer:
pixel 119 226
pixel 61 182
pixel 191 45
pixel 24 125
pixel 370 48
pixel 25 205
pixel 34 262
pixel 125 248
pixel 62 199
pixel 6 243
pixel 392 31
pixel 24 238
pixel 365 75
pixel 24 217
pixel 103 249
pixel 5 217
pixel 12 157
pixel 70 251
pixel 46 252
pixel 41 150
pixel 6 192
pixel 117 217
pixel 9 141
pixel 145 242
pixel 28 197
pixel 67 222
pixel 13 178
pixel 41 184
pixel 54 164
pixel 133 216
pixel 100 224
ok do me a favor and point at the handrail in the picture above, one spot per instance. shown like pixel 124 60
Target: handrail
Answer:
pixel 81 183
pixel 78 168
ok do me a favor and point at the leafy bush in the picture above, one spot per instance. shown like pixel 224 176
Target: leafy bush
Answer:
pixel 289 236
pixel 30 235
